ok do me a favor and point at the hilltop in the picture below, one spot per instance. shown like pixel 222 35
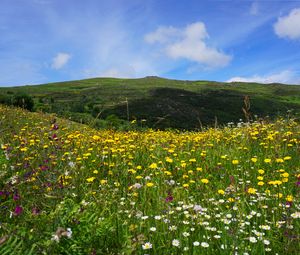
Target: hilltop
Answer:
pixel 159 102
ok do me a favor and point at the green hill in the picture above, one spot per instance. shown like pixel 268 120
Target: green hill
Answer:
pixel 163 103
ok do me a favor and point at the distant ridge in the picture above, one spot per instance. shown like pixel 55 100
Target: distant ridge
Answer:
pixel 163 103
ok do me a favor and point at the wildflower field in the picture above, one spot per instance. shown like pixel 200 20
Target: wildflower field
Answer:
pixel 68 189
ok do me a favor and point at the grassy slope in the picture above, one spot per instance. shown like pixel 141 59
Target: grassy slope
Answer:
pixel 163 102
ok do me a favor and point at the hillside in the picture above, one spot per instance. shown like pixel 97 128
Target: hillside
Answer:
pixel 160 103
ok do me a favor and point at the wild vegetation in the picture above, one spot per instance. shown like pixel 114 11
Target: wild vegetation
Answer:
pixel 160 103
pixel 66 188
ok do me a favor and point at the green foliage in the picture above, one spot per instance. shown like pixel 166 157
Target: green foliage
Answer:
pixel 24 101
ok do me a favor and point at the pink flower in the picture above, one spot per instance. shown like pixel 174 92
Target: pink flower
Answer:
pixel 18 210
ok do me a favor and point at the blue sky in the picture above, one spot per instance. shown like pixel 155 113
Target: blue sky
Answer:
pixel 45 41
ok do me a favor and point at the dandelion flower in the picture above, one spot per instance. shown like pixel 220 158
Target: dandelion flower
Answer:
pixel 205 181
pixel 235 162
pixel 251 191
pixel 221 192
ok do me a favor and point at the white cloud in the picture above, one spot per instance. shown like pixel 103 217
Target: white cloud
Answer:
pixel 60 60
pixel 162 34
pixel 188 43
pixel 286 76
pixel 289 26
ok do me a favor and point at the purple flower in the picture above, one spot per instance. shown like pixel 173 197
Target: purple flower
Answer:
pixel 16 196
pixel 18 210
pixel 169 198
pixel 35 211
pixel 54 127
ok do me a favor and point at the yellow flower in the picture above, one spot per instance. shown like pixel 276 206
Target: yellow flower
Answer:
pixel 287 158
pixel 96 137
pixel 267 160
pixel 260 171
pixel 102 182
pixel 221 192
pixel 285 175
pixel 153 166
pixel 199 169
pixel 277 182
pixel 235 162
pixel 289 198
pixel 260 183
pixel 254 160
pixel 95 171
pixel 192 160
pixel 185 185
pixel 169 160
pixel 260 178
pixel 279 160
pixel 91 179
pixel 252 191
pixel 149 184
pixel 205 181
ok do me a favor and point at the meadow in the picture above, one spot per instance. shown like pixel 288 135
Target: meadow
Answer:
pixel 66 188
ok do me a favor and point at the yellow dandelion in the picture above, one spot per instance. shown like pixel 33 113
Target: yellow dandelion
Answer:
pixel 235 162
pixel 103 182
pixel 153 166
pixel 90 179
pixel 260 183
pixel 285 175
pixel 254 160
pixel 149 184
pixel 252 191
pixel 289 198
pixel 221 192
pixel 205 181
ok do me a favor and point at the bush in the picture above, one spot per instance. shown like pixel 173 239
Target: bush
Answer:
pixel 24 101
